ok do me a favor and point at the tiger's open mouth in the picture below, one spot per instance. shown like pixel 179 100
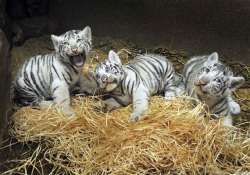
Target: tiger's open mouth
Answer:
pixel 78 60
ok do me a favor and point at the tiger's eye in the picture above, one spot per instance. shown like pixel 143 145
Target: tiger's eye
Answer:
pixel 104 78
pixel 106 69
pixel 218 80
pixel 207 70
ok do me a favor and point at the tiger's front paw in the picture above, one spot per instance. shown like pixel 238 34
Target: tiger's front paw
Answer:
pixel 234 107
pixel 69 112
pixel 180 91
pixel 45 104
pixel 134 118
pixel 169 96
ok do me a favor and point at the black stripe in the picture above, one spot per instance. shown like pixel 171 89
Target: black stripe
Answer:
pixel 132 88
pixel 196 67
pixel 170 75
pixel 155 68
pixel 161 66
pixel 186 79
pixel 122 83
pixel 221 110
pixel 153 71
pixel 41 80
pixel 72 67
pixel 50 70
pixel 54 89
pixel 167 70
pixel 145 70
pixel 56 71
pixel 40 92
pixel 32 60
pixel 69 75
pixel 138 76
pixel 223 91
pixel 190 62
pixel 66 79
pixel 27 80
pixel 127 87
pixel 48 73
pixel 218 102
pixel 189 74
pixel 222 104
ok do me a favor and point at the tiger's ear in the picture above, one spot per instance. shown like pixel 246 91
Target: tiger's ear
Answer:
pixel 86 33
pixel 56 40
pixel 236 82
pixel 114 58
pixel 212 59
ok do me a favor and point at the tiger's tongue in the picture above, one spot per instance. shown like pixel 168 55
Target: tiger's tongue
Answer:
pixel 77 60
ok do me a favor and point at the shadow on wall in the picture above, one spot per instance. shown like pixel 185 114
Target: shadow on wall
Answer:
pixel 196 26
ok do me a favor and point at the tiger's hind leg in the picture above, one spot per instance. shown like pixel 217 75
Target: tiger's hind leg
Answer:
pixel 140 104
pixel 61 97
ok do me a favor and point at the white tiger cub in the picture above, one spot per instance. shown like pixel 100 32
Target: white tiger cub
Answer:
pixel 135 82
pixel 210 81
pixel 47 79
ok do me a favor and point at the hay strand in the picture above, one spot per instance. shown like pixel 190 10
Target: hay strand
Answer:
pixel 174 138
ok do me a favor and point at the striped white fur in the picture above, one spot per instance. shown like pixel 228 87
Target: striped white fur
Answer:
pixel 210 81
pixel 47 79
pixel 135 82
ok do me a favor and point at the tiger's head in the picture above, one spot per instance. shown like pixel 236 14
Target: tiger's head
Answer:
pixel 215 79
pixel 73 46
pixel 109 73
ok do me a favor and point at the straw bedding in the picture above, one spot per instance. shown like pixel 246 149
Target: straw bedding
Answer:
pixel 173 139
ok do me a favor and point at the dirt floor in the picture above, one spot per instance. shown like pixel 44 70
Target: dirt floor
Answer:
pixel 43 45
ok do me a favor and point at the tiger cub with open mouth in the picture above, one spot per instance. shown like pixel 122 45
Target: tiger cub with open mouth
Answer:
pixel 47 79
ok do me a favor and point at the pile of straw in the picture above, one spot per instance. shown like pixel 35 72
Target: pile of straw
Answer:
pixel 174 139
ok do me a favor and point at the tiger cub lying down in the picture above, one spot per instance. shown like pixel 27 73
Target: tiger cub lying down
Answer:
pixel 135 82
pixel 210 81
pixel 47 79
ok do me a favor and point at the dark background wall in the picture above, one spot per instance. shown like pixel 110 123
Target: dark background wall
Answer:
pixel 5 85
pixel 196 26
